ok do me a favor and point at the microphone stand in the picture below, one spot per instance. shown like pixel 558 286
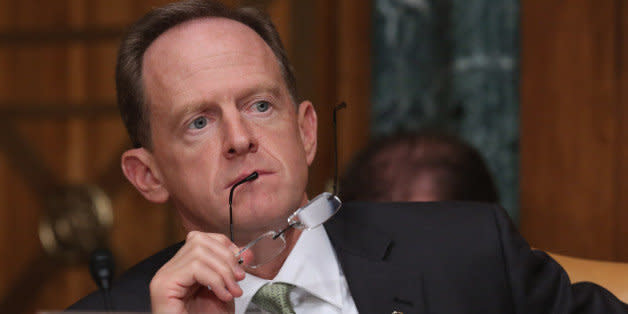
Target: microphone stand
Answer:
pixel 101 267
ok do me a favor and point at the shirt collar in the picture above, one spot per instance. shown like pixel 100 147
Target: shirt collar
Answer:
pixel 311 265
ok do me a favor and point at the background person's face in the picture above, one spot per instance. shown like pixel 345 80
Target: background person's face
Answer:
pixel 219 110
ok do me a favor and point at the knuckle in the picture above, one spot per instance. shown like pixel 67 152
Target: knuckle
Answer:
pixel 197 249
pixel 214 279
pixel 221 238
pixel 196 266
pixel 156 282
pixel 224 270
pixel 192 235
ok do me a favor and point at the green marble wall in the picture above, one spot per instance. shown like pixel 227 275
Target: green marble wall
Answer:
pixel 451 64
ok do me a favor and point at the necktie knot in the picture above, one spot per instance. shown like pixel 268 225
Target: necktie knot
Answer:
pixel 274 298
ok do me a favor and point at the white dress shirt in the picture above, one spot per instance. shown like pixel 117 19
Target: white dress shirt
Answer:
pixel 313 268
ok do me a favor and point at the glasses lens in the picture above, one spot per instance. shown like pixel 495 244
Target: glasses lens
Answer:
pixel 262 250
pixel 316 212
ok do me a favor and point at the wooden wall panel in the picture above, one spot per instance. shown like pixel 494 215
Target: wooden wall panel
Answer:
pixel 280 10
pixel 354 75
pixel 113 13
pixel 313 57
pixel 76 149
pixel 570 122
pixel 6 219
pixel 33 75
pixel 20 217
pixel 621 218
pixel 5 13
pixel 33 14
pixel 331 42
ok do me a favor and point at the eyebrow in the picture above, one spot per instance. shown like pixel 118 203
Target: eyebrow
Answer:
pixel 272 89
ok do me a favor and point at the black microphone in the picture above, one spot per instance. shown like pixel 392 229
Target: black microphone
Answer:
pixel 101 267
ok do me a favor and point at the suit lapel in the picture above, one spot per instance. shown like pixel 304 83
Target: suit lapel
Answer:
pixel 376 285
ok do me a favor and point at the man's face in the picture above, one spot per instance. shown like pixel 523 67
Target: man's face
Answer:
pixel 219 110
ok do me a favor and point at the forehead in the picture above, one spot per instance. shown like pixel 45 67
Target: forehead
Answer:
pixel 206 44
pixel 221 34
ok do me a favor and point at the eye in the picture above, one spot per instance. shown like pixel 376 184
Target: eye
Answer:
pixel 262 106
pixel 198 123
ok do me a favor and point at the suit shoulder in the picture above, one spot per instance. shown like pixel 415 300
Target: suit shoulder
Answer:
pixel 412 214
pixel 130 291
pixel 146 269
pixel 441 228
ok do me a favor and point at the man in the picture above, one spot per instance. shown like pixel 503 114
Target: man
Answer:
pixel 208 98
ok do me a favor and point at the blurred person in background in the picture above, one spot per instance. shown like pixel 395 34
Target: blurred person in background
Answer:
pixel 418 167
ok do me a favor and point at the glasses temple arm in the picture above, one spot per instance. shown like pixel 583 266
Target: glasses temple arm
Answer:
pixel 284 230
pixel 251 177
pixel 338 107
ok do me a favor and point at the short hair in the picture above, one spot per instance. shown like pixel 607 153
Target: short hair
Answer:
pixel 391 164
pixel 129 86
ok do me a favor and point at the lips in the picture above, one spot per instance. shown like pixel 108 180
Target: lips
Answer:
pixel 244 175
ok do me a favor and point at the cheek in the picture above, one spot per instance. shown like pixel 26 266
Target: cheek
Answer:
pixel 296 160
pixel 289 144
pixel 283 145
pixel 189 171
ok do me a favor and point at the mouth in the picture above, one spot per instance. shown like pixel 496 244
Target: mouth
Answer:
pixel 244 175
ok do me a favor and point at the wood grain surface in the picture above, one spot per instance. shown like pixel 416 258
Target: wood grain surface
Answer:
pixel 573 134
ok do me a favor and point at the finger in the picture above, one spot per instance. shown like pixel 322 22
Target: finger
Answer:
pixel 217 244
pixel 202 253
pixel 229 273
pixel 178 280
pixel 247 258
pixel 205 277
pixel 211 251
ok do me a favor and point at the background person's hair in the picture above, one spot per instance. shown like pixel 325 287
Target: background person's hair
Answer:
pixel 129 86
pixel 389 167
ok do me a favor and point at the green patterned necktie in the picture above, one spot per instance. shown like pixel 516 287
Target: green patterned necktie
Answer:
pixel 274 298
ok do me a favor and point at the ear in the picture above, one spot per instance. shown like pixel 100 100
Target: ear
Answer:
pixel 308 125
pixel 139 168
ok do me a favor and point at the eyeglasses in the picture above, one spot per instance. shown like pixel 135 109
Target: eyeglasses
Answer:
pixel 316 212
pixel 270 244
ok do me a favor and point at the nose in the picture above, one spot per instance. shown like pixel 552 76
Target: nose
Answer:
pixel 238 137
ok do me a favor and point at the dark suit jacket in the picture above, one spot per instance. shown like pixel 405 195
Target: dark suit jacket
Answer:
pixel 447 257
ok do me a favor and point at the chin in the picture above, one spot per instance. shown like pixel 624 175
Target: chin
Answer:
pixel 267 212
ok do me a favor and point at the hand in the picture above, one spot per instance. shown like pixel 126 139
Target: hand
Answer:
pixel 206 259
